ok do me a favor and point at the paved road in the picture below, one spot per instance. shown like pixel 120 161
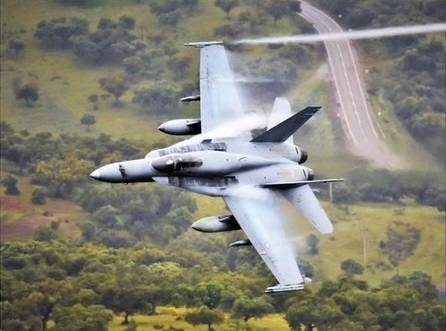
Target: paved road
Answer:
pixel 363 134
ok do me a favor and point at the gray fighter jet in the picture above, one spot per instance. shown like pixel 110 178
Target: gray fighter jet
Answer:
pixel 258 175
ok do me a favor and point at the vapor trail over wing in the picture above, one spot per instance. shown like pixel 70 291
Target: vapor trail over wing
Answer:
pixel 349 35
pixel 261 214
pixel 220 100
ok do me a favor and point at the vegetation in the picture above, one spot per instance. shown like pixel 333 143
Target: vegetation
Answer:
pixel 351 267
pixel 28 92
pixel 313 244
pixel 348 304
pixel 88 120
pixel 204 315
pixel 414 81
pixel 10 183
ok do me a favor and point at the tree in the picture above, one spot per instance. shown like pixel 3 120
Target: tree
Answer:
pixel 29 92
pixel 82 318
pixel 204 315
pixel 127 22
pixel 59 176
pixel 93 99
pixel 87 50
pixel 351 267
pixel 299 314
pixel 158 99
pixel 133 64
pixel 277 9
pixel 129 300
pixel 16 45
pixel 45 233
pixel 60 32
pixel 115 85
pixel 402 239
pixel 88 120
pixel 247 308
pixel 179 66
pixel 171 18
pixel 10 183
pixel 209 294
pixel 45 296
pixel 227 5
pixel 39 196
pixel 313 244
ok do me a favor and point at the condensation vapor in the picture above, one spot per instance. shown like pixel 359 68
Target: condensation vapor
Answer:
pixel 348 35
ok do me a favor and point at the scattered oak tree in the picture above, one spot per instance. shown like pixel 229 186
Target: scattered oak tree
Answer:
pixel 10 183
pixel 204 315
pixel 402 239
pixel 16 46
pixel 351 267
pixel 45 233
pixel 79 317
pixel 277 9
pixel 313 244
pixel 227 5
pixel 247 308
pixel 115 85
pixel 38 196
pixel 93 99
pixel 88 120
pixel 28 92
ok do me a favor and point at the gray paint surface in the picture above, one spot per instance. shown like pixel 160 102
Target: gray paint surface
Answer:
pixel 223 161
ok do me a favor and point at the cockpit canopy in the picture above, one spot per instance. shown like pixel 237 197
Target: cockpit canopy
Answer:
pixel 175 162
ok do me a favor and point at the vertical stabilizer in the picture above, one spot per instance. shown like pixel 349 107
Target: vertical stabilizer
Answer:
pixel 281 111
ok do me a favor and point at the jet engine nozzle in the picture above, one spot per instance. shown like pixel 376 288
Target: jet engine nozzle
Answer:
pixel 308 172
pixel 216 224
pixel 302 155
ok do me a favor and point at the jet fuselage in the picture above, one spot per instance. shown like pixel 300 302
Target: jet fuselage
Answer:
pixel 211 166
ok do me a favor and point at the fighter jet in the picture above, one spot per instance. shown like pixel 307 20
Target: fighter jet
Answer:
pixel 259 175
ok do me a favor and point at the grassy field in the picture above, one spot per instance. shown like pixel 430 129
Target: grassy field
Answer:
pixel 170 317
pixel 63 101
pixel 19 218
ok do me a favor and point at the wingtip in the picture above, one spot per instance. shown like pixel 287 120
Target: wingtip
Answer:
pixel 201 44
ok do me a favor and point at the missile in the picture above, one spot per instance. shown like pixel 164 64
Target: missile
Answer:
pixel 216 224
pixel 243 242
pixel 190 98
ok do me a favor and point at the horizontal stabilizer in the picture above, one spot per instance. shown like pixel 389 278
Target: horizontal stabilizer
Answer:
pixel 285 129
pixel 201 44
pixel 287 184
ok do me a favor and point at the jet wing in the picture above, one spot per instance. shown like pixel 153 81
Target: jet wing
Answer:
pixel 262 215
pixel 303 198
pixel 219 98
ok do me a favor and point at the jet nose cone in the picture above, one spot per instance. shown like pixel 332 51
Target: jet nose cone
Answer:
pixel 162 128
pixel 96 174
